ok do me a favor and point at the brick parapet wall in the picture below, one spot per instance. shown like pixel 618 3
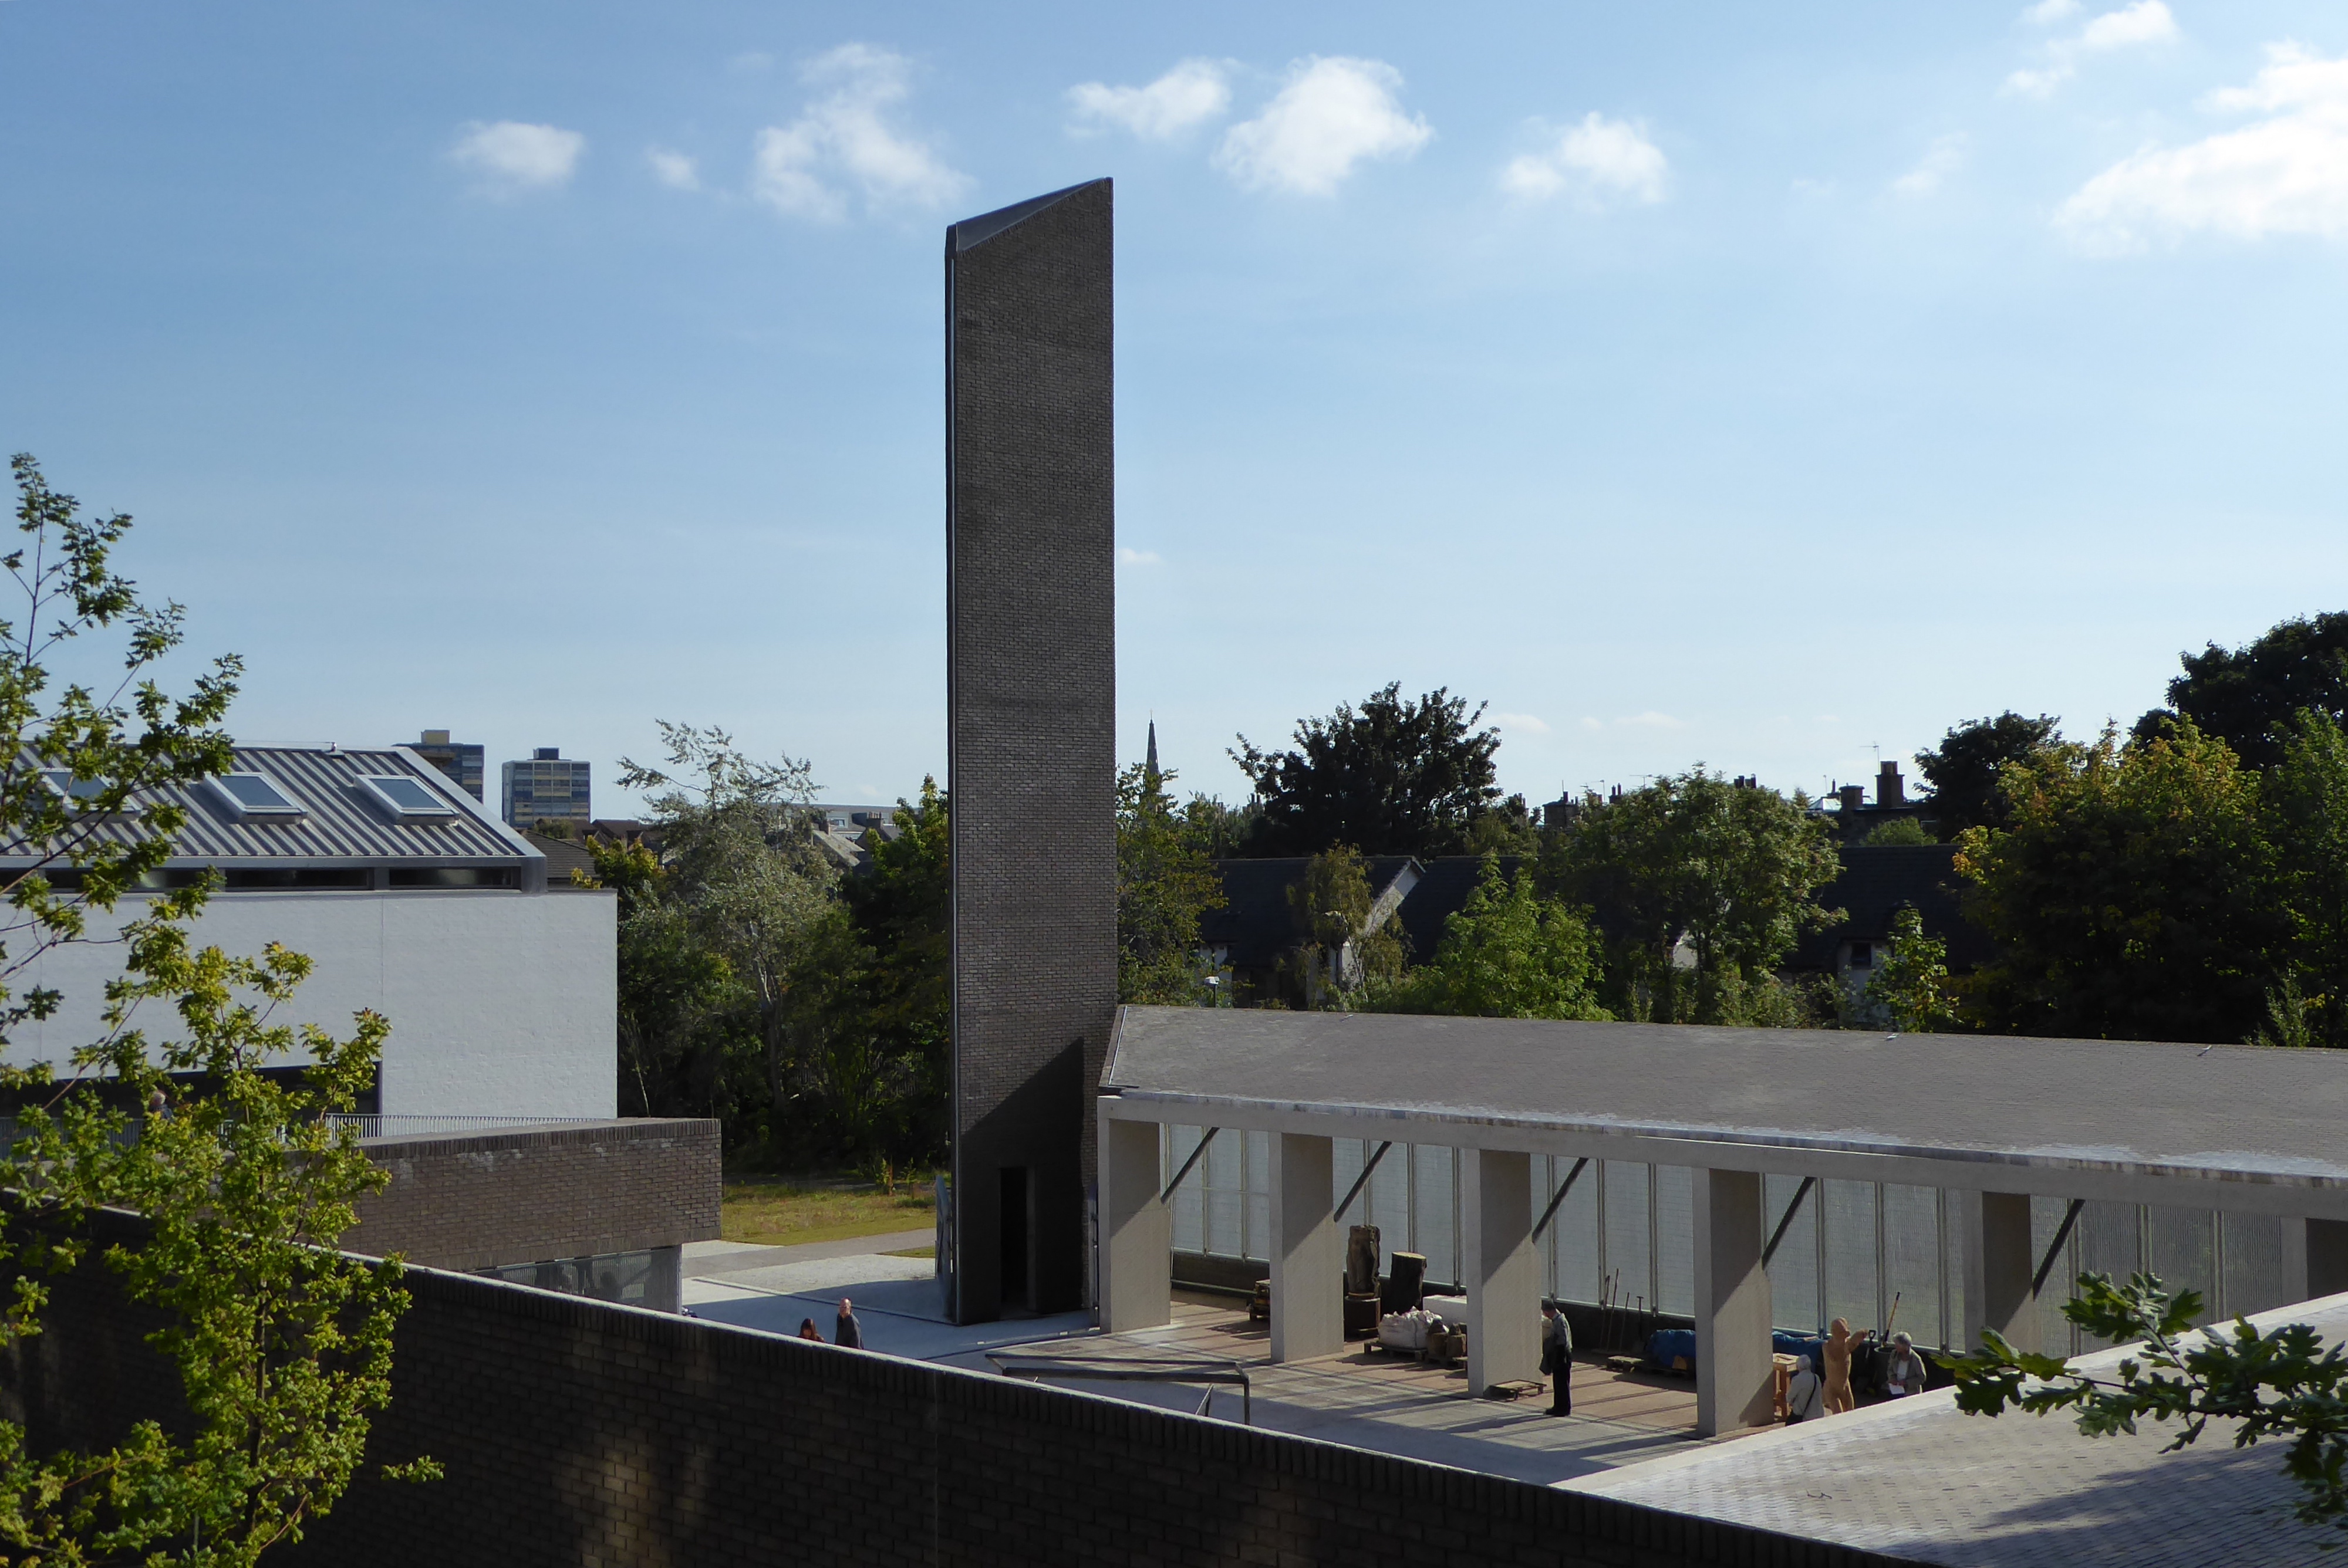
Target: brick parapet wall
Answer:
pixel 576 1432
pixel 473 1200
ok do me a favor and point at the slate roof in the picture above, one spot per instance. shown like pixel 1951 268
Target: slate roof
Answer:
pixel 341 825
pixel 1255 923
pixel 1875 882
pixel 1443 884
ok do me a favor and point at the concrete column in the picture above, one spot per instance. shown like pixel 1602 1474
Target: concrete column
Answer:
pixel 664 1288
pixel 2314 1258
pixel 1995 1227
pixel 1137 1238
pixel 1734 1378
pixel 1495 1246
pixel 1308 1264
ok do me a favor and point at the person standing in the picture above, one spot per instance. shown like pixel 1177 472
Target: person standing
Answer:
pixel 1805 1395
pixel 1557 1358
pixel 1837 1368
pixel 807 1331
pixel 846 1332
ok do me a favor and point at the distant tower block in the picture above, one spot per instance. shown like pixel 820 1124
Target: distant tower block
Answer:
pixel 1031 699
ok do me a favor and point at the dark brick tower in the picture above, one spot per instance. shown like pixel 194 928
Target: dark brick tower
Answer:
pixel 1031 624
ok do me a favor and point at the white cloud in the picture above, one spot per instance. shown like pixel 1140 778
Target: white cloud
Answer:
pixel 2047 12
pixel 1590 724
pixel 673 169
pixel 1192 93
pixel 845 139
pixel 1598 157
pixel 1521 724
pixel 511 156
pixel 2146 22
pixel 1942 158
pixel 1127 556
pixel 1333 113
pixel 2131 27
pixel 2284 174
pixel 1651 719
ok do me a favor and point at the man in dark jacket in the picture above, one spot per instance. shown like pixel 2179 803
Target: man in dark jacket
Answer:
pixel 1557 1358
pixel 846 1330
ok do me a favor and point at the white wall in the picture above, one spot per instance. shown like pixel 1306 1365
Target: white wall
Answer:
pixel 501 1004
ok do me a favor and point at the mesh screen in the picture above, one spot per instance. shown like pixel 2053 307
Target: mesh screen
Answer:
pixel 1849 1215
pixel 1431 1196
pixel 1189 1209
pixel 1576 1230
pixel 1794 1267
pixel 1676 1237
pixel 2055 1336
pixel 2253 1275
pixel 1256 1242
pixel 1912 1260
pixel 1627 1232
pixel 2183 1245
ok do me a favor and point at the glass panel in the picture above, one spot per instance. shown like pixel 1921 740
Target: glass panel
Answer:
pixel 2107 1245
pixel 2252 1264
pixel 1626 1233
pixel 1675 1238
pixel 2184 1248
pixel 1849 1214
pixel 1912 1260
pixel 1257 1243
pixel 2055 1335
pixel 1794 1267
pixel 1577 1235
pixel 1188 1206
pixel 1432 1211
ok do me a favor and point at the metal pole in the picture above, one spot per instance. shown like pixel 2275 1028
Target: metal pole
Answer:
pixel 1193 1160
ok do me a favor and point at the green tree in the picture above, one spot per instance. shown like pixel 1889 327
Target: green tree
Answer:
pixel 2305 801
pixel 2282 1386
pixel 1337 950
pixel 1701 888
pixel 1165 882
pixel 2247 696
pixel 1505 953
pixel 1964 770
pixel 890 1053
pixel 2132 898
pixel 1899 831
pixel 679 1004
pixel 1911 984
pixel 1396 777
pixel 282 1344
pixel 738 859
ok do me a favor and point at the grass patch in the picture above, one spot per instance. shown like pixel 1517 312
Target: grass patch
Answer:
pixel 913 1252
pixel 786 1211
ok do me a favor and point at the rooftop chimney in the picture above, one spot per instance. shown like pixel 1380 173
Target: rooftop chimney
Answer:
pixel 436 737
pixel 1852 796
pixel 1888 791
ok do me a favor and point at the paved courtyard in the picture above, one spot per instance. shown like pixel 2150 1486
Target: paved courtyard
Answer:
pixel 1382 1402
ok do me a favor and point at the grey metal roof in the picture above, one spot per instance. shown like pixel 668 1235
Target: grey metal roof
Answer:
pixel 341 824
pixel 2225 1112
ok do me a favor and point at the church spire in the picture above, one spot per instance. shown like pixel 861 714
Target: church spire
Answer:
pixel 1151 766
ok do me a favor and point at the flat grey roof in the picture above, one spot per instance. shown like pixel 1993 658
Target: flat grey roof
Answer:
pixel 1921 1481
pixel 2273 1117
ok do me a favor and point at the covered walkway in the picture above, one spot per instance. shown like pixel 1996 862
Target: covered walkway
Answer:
pixel 1992 1122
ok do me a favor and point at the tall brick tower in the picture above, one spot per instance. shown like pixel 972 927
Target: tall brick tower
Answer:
pixel 1031 699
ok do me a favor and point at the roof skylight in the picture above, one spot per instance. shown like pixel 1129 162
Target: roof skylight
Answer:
pixel 407 798
pixel 255 797
pixel 79 791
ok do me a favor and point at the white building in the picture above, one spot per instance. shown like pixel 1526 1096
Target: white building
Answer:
pixel 412 899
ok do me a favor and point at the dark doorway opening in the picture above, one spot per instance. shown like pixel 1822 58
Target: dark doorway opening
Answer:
pixel 1018 1264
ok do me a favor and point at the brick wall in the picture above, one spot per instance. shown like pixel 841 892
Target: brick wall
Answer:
pixel 475 1199
pixel 1031 704
pixel 584 1435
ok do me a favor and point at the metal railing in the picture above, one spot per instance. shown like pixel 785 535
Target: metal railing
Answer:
pixel 402 1126
pixel 1141 1370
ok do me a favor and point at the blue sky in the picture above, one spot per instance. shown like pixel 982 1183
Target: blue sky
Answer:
pixel 1757 386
